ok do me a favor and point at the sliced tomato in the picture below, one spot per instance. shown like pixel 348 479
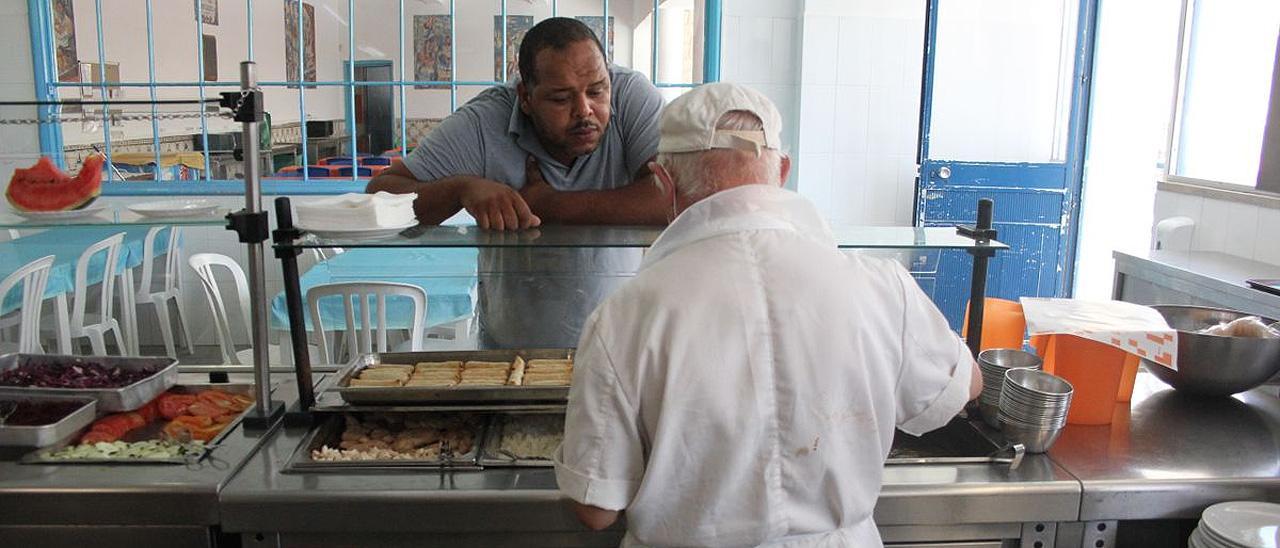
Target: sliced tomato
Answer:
pixel 174 405
pixel 205 409
pixel 150 411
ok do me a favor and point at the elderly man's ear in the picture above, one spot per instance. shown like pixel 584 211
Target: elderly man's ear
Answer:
pixel 785 168
pixel 662 178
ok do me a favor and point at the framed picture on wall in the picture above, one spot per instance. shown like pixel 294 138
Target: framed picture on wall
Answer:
pixel 64 31
pixel 209 12
pixel 291 52
pixel 517 26
pixel 432 50
pixel 596 24
pixel 210 46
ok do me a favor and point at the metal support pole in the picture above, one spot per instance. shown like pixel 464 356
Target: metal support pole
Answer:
pixel 982 233
pixel 251 225
pixel 286 234
pixel 257 275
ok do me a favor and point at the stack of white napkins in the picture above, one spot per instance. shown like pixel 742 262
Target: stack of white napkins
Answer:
pixel 357 211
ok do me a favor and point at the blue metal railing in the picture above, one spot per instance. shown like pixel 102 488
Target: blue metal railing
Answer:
pixel 47 84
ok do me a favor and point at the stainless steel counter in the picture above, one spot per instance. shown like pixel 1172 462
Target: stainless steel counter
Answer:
pixel 1168 456
pixel 1194 277
pixel 118 505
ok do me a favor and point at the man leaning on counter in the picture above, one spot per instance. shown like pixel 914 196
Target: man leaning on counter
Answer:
pixel 743 388
pixel 567 144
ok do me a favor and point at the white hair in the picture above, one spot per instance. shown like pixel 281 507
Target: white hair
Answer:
pixel 701 173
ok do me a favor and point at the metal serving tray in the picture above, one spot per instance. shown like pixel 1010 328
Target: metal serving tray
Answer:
pixel 110 400
pixel 491 454
pixel 408 395
pixel 329 432
pixel 48 434
pixel 153 431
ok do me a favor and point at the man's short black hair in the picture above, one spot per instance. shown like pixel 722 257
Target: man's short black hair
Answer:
pixel 555 33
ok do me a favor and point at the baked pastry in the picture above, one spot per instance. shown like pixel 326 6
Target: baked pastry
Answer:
pixel 376 382
pixel 517 372
pixel 425 367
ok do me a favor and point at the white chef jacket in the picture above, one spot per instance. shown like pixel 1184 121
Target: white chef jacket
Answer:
pixel 743 388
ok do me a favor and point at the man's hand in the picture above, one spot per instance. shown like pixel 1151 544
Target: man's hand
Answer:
pixel 496 206
pixel 537 192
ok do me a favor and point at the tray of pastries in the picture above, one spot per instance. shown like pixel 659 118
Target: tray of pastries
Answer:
pixel 481 376
pixel 391 440
pixel 522 440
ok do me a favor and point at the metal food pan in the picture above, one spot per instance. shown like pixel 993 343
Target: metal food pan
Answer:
pixel 377 395
pixel 152 431
pixel 491 454
pixel 110 400
pixel 329 432
pixel 48 434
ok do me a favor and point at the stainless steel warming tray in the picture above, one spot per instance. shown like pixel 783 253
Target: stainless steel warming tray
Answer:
pixel 153 431
pixel 110 400
pixel 43 435
pixel 409 395
pixel 329 432
pixel 499 453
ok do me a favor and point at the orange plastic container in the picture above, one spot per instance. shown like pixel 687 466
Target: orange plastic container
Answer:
pixel 1003 324
pixel 1102 375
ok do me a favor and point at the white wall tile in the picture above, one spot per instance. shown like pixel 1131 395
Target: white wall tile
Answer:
pixel 1164 207
pixel 730 53
pixel 817 120
pixel 763 8
pixel 757 45
pixel 820 34
pixel 854 51
pixel 906 194
pixel 1242 230
pixel 784 65
pixel 815 181
pixel 852 116
pixel 1211 227
pixel 848 187
pixel 1266 246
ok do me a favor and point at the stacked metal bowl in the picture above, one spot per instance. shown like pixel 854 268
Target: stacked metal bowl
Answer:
pixel 993 363
pixel 1033 408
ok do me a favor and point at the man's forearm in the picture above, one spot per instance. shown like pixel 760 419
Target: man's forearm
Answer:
pixel 639 203
pixel 437 200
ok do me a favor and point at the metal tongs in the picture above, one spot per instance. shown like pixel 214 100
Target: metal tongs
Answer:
pixel 1013 461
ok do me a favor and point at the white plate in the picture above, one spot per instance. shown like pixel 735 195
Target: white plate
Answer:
pixel 174 208
pixel 61 215
pixel 1242 523
pixel 358 233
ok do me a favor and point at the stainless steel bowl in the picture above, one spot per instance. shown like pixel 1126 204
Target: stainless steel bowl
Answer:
pixel 1210 365
pixel 1036 440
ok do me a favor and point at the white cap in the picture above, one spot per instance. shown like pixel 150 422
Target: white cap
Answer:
pixel 688 124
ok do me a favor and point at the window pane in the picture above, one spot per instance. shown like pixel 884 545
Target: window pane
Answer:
pixel 1230 55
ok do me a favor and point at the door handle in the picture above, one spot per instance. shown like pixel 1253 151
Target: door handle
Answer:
pixel 944 172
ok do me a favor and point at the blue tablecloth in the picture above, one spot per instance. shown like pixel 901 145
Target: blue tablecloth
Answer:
pixel 66 245
pixel 447 275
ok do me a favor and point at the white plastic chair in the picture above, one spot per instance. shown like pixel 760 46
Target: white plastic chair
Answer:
pixel 86 323
pixel 204 265
pixel 355 294
pixel 34 277
pixel 169 290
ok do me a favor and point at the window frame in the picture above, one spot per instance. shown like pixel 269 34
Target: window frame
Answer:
pixel 47 87
pixel 1266 188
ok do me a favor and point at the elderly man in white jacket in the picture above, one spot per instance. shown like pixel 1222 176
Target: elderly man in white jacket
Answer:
pixel 744 387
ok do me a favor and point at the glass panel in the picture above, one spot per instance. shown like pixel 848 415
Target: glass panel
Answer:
pixel 106 216
pixel 623 236
pixel 1230 56
pixel 994 99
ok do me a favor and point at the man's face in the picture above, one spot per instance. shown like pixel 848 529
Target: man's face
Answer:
pixel 569 101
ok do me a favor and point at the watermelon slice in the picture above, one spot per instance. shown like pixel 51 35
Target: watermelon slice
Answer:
pixel 43 187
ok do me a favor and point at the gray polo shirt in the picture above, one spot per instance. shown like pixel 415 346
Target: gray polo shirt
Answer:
pixel 540 297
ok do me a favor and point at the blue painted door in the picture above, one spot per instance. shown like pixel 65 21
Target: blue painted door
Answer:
pixel 1003 110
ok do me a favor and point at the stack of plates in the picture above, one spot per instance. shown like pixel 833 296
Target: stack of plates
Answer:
pixel 1238 524
pixel 1033 408
pixel 993 363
